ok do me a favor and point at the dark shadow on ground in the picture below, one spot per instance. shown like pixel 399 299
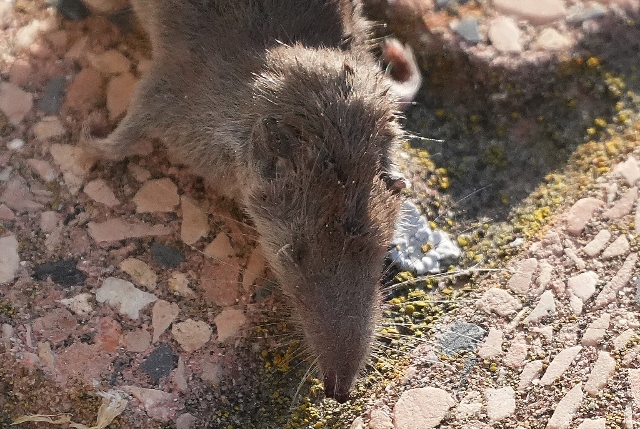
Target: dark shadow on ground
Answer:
pixel 505 125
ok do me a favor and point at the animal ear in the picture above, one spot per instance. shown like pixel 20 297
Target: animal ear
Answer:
pixel 402 70
pixel 395 181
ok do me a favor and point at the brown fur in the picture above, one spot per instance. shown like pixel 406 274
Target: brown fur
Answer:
pixel 281 105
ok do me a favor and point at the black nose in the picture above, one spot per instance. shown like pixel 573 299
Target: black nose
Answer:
pixel 339 392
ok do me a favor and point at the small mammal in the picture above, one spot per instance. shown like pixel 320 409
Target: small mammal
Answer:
pixel 281 105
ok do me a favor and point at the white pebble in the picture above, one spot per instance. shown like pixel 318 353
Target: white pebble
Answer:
pixel 15 144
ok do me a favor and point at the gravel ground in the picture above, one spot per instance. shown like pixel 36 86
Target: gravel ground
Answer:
pixel 128 284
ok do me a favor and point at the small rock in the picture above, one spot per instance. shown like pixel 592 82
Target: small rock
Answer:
pixel 623 206
pixel 629 170
pixel 517 353
pixel 559 365
pixel 49 127
pixel 53 95
pixel 139 173
pixel 358 423
pixel 160 362
pixel 593 423
pixel 119 92
pixel 118 229
pixel 580 213
pixel 6 213
pixel 15 144
pixel 186 421
pixel 162 316
pixel 17 196
pixel 79 304
pixel 220 248
pixel 468 28
pixel 43 169
pixel 422 408
pixel 179 285
pixel 520 282
pixel 140 272
pixel 195 221
pixel 596 245
pixel 159 405
pixel 124 296
pixel 596 331
pixel 505 35
pixel 109 62
pixel 55 326
pixel 26 36
pixel 137 341
pixel 160 195
pixel 85 91
pixel 619 247
pixel 108 336
pixel 544 276
pixel 550 39
pixel 74 162
pixel 166 256
pixel 580 13
pixel 501 403
pixel 191 335
pixel 469 406
pixel 219 283
pixel 529 373
pixel 492 345
pixel 254 269
pixel 634 382
pixel 535 11
pixel 545 307
pixel 571 254
pixel 498 301
pixel 566 409
pixel 14 102
pixel 379 420
pixel 180 376
pixel 460 336
pixel 601 373
pixel 622 277
pixel 229 323
pixel 583 285
pixel 621 341
pixel 9 259
pixel 99 191
pixel 63 273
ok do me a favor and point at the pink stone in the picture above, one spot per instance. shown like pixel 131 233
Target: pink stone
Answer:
pixel 137 341
pixel 14 102
pixel 580 213
pixel 118 229
pixel 48 221
pixel 195 221
pixel 593 423
pixel 380 420
pixel 596 330
pixel 560 364
pixel 505 35
pixel 43 169
pixel 602 370
pixel 623 206
pixel 162 316
pixel 634 382
pixel 108 335
pixel 520 282
pixel 498 301
pixel 85 91
pixel 529 373
pixel 566 409
pixel 119 92
pixel 546 307
pixel 622 277
pixel 109 62
pixel 219 282
pixel 160 195
pixel 535 11
pixel 422 408
pixel 492 344
pixel 6 213
pixel 55 326
pixel 18 197
pixel 159 405
pixel 228 323
pixel 517 353
pixel 596 245
pixel 501 403
pixel 583 285
pixel 619 247
pixel 629 170
pixel 99 191
pixel 191 334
